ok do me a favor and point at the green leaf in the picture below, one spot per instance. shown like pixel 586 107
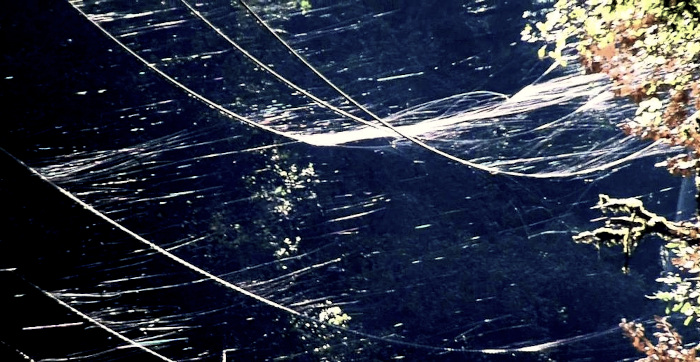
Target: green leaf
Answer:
pixel 677 307
pixel 687 321
pixel 687 309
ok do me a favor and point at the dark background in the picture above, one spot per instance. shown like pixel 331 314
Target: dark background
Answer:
pixel 494 267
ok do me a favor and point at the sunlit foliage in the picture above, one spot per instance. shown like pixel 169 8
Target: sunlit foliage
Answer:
pixel 650 50
pixel 305 5
pixel 670 344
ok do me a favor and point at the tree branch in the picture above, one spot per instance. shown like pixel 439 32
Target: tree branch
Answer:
pixel 631 222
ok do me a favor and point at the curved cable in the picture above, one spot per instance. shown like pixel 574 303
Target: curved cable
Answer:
pixel 218 280
pixel 306 63
pixel 415 140
pixel 86 317
pixel 236 288
pixel 272 72
pixel 258 298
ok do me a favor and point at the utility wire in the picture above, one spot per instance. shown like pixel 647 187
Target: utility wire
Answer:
pixel 415 140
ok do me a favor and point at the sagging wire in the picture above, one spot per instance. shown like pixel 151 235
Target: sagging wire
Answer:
pixel 306 63
pixel 301 138
pixel 325 104
pixel 278 76
pixel 260 299
pixel 190 92
pixel 292 312
pixel 84 316
pixel 395 130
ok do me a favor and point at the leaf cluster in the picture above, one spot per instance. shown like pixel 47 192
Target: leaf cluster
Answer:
pixel 669 346
pixel 683 292
pixel 630 222
pixel 650 49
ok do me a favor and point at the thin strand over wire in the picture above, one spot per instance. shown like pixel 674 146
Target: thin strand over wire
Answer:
pixel 306 63
pixel 522 349
pixel 162 251
pixel 278 76
pixel 325 104
pixel 395 130
pixel 187 90
pixel 417 141
pixel 154 246
pixel 90 319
